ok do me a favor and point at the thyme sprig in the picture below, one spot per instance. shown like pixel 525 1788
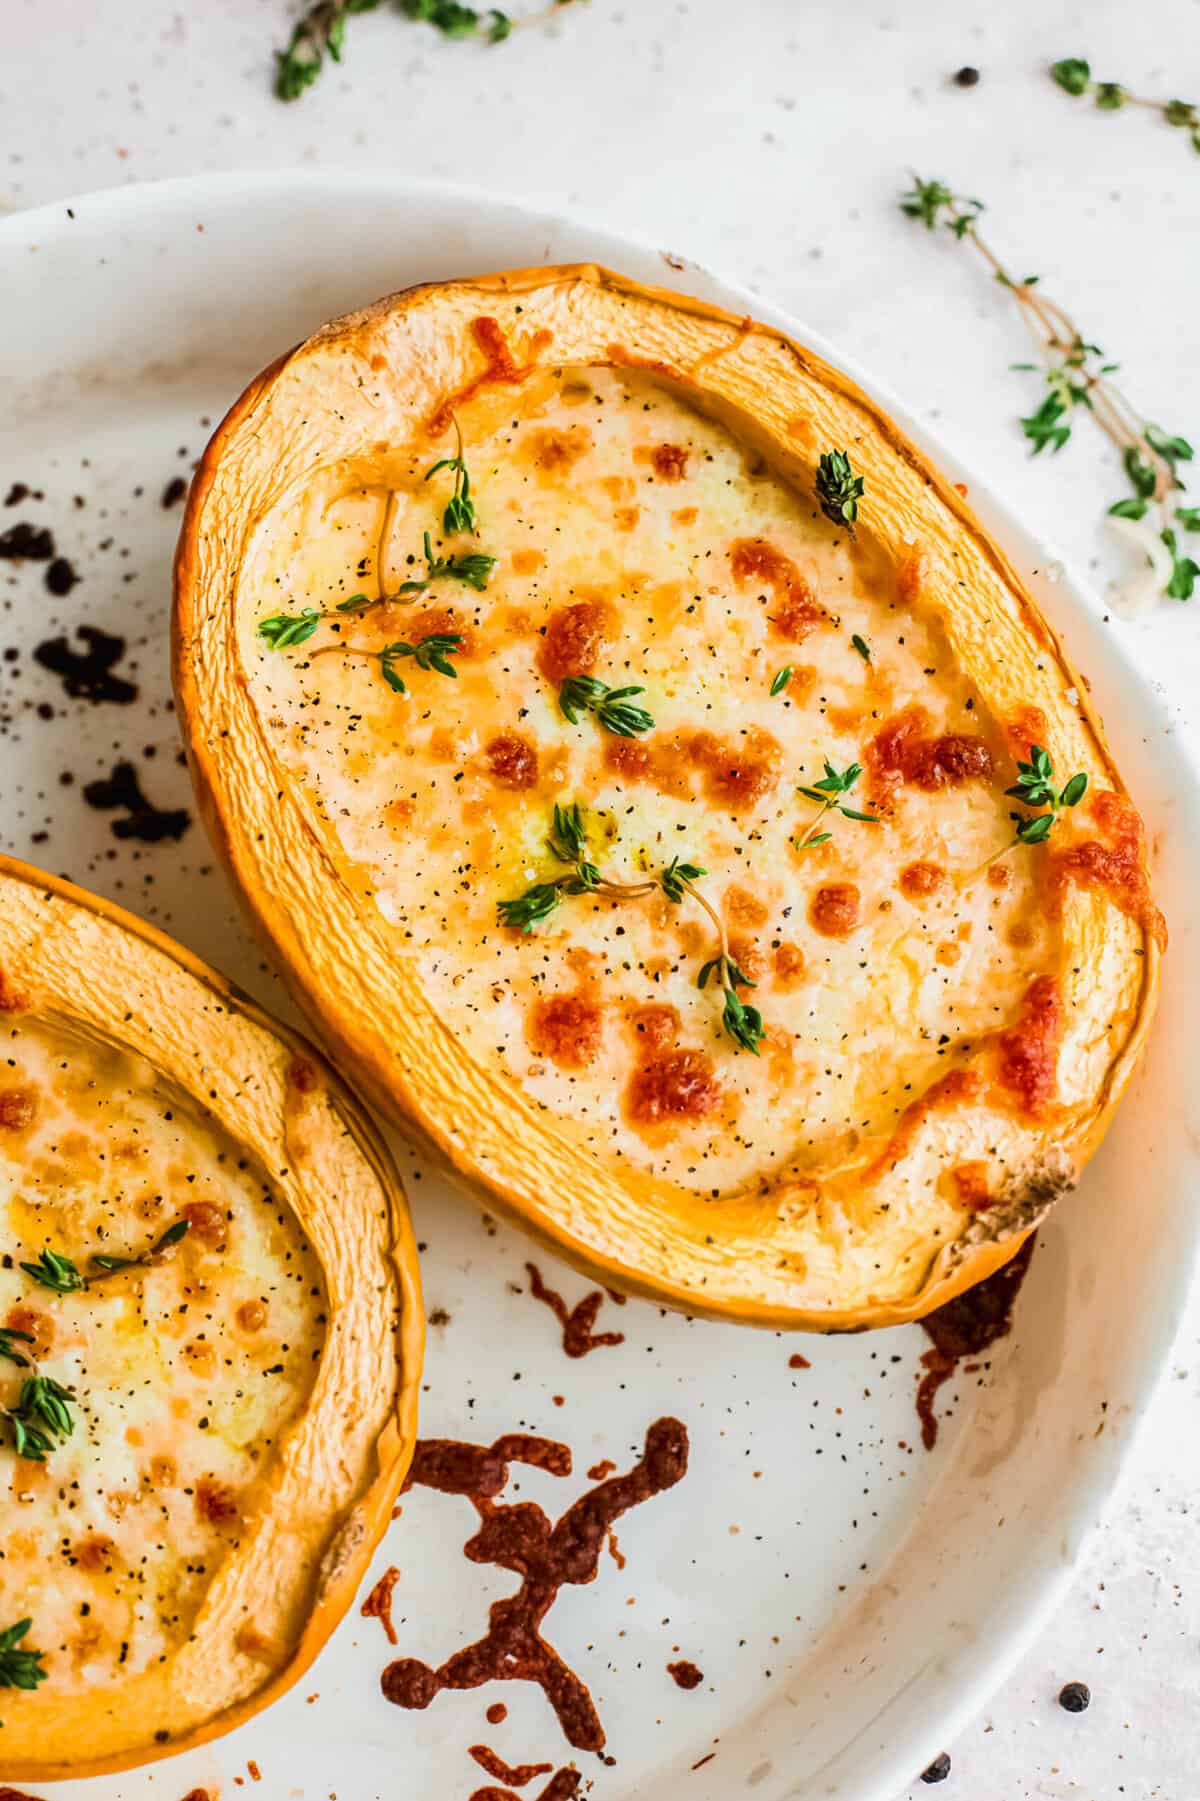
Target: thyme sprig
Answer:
pixel 827 794
pixel 321 32
pixel 430 652
pixel 1077 374
pixel 742 1023
pixel 19 1668
pixel 42 1417
pixel 1074 75
pixel 1034 787
pixel 839 489
pixel 568 843
pixel 459 514
pixel 53 1270
pixel 611 706
pixel 105 1265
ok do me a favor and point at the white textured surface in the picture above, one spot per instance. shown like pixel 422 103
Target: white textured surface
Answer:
pixel 767 140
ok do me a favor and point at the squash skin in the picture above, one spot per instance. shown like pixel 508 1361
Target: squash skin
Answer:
pixel 47 925
pixel 623 1234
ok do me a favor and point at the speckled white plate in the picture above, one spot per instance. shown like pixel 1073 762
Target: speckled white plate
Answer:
pixel 850 1598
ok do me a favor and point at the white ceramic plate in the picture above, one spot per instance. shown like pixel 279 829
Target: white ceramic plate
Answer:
pixel 850 1598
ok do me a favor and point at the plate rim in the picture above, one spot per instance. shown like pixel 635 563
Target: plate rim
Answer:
pixel 1037 1593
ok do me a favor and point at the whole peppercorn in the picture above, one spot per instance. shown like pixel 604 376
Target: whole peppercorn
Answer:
pixel 967 77
pixel 1075 1697
pixel 938 1770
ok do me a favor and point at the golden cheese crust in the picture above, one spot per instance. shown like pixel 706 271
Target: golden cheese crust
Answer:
pixel 944 1025
pixel 206 1250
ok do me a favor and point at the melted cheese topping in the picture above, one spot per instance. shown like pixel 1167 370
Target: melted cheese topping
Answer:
pixel 185 1372
pixel 642 543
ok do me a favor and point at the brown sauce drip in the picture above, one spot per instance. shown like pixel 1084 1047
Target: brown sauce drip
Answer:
pixel 516 1775
pixel 496 1714
pixel 965 1327
pixel 577 1335
pixel 148 823
pixel 797 1362
pixel 561 1787
pixel 88 674
pixel 378 1604
pixel 685 1674
pixel 520 1537
pixel 61 577
pixel 18 1794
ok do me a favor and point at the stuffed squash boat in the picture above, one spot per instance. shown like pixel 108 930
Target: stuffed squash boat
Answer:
pixel 210 1343
pixel 662 794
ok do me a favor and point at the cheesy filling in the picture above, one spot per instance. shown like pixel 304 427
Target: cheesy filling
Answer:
pixel 184 1370
pixel 646 540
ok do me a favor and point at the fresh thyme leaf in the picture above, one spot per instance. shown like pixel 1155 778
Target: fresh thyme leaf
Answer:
pixel 529 909
pixel 743 1023
pixel 473 570
pixel 282 630
pixel 431 652
pixel 54 1272
pixel 321 29
pixel 839 489
pixel 1172 450
pixel 1044 428
pixel 41 1417
pixel 1184 572
pixel 826 792
pixel 1073 74
pixel 1141 474
pixel 781 680
pixel 357 603
pixel 862 647
pixel 19 1668
pixel 1110 96
pixel 1189 518
pixel 8 1348
pixel 611 706
pixel 675 875
pixel 1034 786
pixel 1129 509
pixel 568 837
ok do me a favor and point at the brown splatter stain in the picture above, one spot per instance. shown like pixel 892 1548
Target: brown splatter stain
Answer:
pixel 545 1556
pixel 578 1338
pixel 685 1674
pixel 515 1775
pixel 797 1362
pixel 122 791
pixel 88 674
pixel 600 1470
pixel 378 1604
